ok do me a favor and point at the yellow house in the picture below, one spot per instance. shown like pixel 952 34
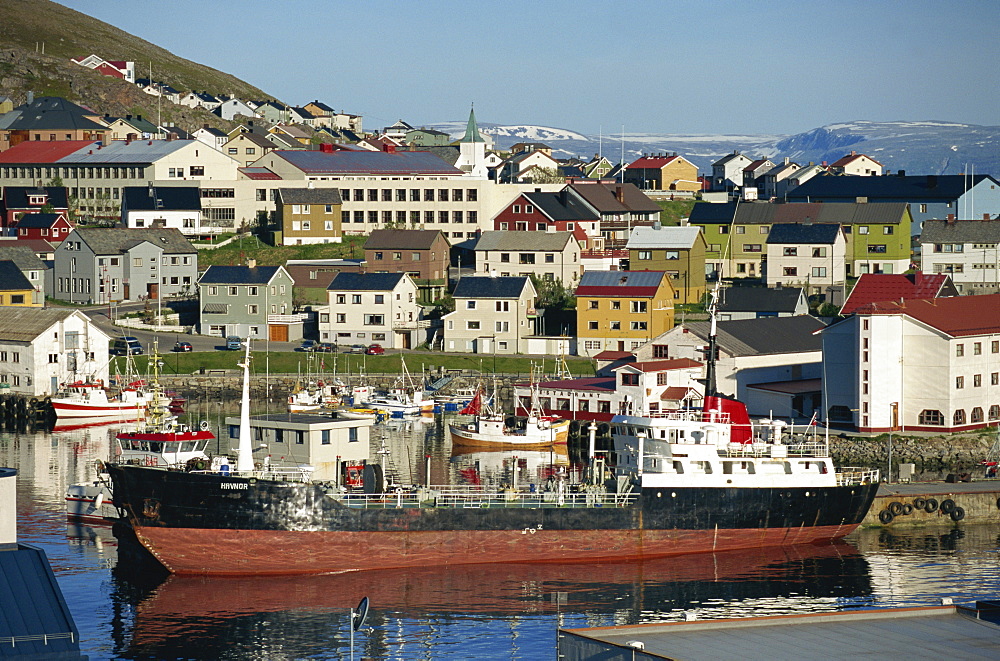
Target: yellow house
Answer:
pixel 308 215
pixel 666 172
pixel 622 310
pixel 680 251
pixel 15 289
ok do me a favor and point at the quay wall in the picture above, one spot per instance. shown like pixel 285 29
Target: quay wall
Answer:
pixel 977 507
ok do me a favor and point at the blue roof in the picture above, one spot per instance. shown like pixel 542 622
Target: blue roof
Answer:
pixel 238 275
pixel 365 281
pixel 621 278
pixel 367 162
pixel 125 151
pixel 38 220
pixel 164 198
pixel 34 606
pixel 471 286
pixel 803 233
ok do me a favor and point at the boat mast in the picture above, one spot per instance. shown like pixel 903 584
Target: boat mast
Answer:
pixel 711 389
pixel 244 456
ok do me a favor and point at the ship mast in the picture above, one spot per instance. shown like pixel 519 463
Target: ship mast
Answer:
pixel 711 390
pixel 244 455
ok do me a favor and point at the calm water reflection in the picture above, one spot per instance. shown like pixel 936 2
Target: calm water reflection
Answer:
pixel 128 608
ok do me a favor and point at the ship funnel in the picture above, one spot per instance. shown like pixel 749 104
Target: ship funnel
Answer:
pixel 244 456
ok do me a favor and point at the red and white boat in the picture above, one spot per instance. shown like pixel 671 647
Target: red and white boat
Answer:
pixel 91 400
pixel 490 431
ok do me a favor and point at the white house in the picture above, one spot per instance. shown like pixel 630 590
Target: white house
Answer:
pixel 812 255
pixel 178 207
pixel 43 348
pixel 546 255
pixel 759 360
pixel 967 250
pixel 915 365
pixel 366 308
pixel 213 137
pixel 233 108
pixel 492 315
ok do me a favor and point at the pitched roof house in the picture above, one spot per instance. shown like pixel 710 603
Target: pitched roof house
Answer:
pixel 423 254
pixel 30 265
pixel 967 250
pixel 622 310
pixel 563 211
pixel 545 255
pixel 372 307
pixel 810 255
pixel 249 302
pixel 308 215
pixel 663 172
pixel 881 287
pixel 178 207
pixel 680 251
pixel 52 227
pixel 759 302
pixel 727 172
pixel 857 164
pixel 492 315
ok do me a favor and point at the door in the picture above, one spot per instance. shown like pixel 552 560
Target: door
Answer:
pixel 621 345
pixel 406 340
pixel 277 333
pixel 153 290
pixel 54 385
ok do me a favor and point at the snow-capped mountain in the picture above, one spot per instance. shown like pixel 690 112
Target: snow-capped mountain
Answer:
pixel 919 147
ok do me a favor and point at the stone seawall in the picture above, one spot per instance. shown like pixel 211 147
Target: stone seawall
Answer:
pixel 967 507
pixel 933 457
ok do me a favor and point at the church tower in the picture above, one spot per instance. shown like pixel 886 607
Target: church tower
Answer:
pixel 472 150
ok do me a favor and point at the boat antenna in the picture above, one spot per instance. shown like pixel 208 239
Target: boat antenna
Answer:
pixel 710 353
pixel 244 456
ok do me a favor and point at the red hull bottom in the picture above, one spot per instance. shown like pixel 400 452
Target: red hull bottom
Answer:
pixel 247 552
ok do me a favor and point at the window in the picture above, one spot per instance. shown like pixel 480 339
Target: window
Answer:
pixel 629 379
pixel 790 251
pixel 234 291
pixel 877 249
pixel 959 417
pixel 341 318
pixel 723 229
pixel 959 350
pixel 819 252
pixel 995 379
pixel 638 325
pixel 977 380
pixel 197 170
pixel 397 256
pixel 790 271
pixel 752 247
pixel 379 299
pixel 615 325
pixel 503 306
pixel 644 254
pixel 977 349
pixel 356 299
pixel 253 309
pixel 550 258
pixel 740 229
pixel 472 325
pixel 819 272
pixel 374 320
pixel 959 382
pixel 976 415
pixel 616 305
pixel 593 305
pixel 592 325
pixel 923 208
pixel 930 417
pixel 887 229
pixel 341 299
pixel 995 412
pixel 862 229
pixel 470 305
pixel 526 258
pixel 638 307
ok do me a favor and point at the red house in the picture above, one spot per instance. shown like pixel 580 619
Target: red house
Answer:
pixel 19 201
pixel 564 211
pixel 51 227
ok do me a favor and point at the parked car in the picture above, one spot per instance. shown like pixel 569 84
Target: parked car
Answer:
pixel 326 347
pixel 234 343
pixel 183 346
pixel 374 350
pixel 126 346
pixel 356 348
pixel 307 345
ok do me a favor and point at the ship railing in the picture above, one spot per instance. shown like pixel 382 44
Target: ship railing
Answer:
pixel 763 449
pixel 855 475
pixel 491 498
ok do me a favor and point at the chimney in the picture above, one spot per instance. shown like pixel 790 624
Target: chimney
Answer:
pixel 932 181
pixel 950 219
pixel 252 263
pixel 389 148
pixel 986 216
pixel 620 194
pixel 901 173
pixel 311 184
pixel 786 160
pixel 204 126
pixel 138 118
pixel 918 277
pixel 564 196
pixel 31 98
pixel 326 148
pixel 824 164
pixel 854 153
pixel 128 117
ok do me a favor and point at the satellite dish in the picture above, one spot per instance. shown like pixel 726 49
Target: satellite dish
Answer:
pixel 360 613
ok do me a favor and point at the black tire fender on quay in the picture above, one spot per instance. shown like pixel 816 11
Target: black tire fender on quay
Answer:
pixel 919 503
pixel 931 506
pixel 885 516
pixel 947 506
pixel 957 514
pixel 895 508
pixel 907 509
pixel 998 503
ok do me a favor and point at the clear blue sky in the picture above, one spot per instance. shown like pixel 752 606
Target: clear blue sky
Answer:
pixel 734 67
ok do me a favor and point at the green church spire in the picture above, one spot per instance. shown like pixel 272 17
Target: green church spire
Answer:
pixel 472 130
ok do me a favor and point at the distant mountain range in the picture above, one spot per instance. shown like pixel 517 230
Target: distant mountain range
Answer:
pixel 920 147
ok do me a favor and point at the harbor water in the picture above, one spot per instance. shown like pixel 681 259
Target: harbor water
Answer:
pixel 126 607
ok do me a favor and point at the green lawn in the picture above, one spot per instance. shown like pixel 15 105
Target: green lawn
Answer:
pixel 294 362
pixel 250 247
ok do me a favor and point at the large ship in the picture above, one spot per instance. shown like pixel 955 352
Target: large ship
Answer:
pixel 679 482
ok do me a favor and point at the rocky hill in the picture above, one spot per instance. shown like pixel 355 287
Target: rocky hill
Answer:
pixel 38 38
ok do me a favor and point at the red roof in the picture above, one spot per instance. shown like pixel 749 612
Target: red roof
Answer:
pixel 652 162
pixel 676 394
pixel 663 365
pixel 877 287
pixel 614 355
pixel 839 163
pixel 624 292
pixel 756 164
pixel 43 151
pixel 956 315
pixel 600 383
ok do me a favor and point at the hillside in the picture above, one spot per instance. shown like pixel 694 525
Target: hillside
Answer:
pixel 27 24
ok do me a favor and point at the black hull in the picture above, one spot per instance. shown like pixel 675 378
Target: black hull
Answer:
pixel 184 517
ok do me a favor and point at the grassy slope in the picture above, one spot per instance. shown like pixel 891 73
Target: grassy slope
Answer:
pixel 68 33
pixel 674 210
pixel 251 247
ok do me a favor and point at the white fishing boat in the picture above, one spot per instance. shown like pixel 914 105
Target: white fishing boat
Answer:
pixel 91 400
pixel 489 429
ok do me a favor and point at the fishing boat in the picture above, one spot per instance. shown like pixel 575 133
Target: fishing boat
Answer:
pixel 362 413
pixel 156 439
pixel 489 429
pixel 82 399
pixel 403 400
pixel 682 482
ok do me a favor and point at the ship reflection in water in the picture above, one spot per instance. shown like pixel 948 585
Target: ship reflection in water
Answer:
pixel 199 617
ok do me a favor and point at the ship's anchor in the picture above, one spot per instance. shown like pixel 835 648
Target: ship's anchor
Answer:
pixel 151 508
